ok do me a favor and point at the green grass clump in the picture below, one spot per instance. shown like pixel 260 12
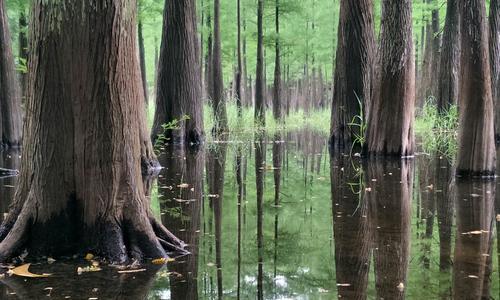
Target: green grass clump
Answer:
pixel 437 131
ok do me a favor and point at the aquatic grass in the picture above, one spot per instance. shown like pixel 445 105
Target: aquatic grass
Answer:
pixel 437 131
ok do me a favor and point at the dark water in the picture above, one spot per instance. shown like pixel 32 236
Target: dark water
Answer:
pixel 278 218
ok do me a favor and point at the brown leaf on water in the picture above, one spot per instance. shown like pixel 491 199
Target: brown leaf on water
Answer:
pixel 24 272
pixel 162 261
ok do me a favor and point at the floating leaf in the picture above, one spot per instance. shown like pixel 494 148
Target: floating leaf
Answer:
pixel 475 232
pixel 183 186
pixel 81 270
pixel 401 287
pixel 131 271
pixel 89 256
pixel 24 272
pixel 161 261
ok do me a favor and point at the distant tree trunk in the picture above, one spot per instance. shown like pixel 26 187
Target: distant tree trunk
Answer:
pixel 142 60
pixel 450 56
pixel 209 84
pixel 260 160
pixel 218 101
pixel 436 45
pixel 260 114
pixel 353 71
pixel 23 51
pixel 277 68
pixel 239 72
pixel 80 188
pixel 476 151
pixel 10 98
pixel 390 121
pixel 426 67
pixel 494 47
pixel 179 87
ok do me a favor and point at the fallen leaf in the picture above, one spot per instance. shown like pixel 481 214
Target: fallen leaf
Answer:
pixel 89 256
pixel 50 260
pixel 161 261
pixel 475 232
pixel 23 272
pixel 183 186
pixel 81 270
pixel 343 284
pixel 473 276
pixel 131 271
pixel 498 218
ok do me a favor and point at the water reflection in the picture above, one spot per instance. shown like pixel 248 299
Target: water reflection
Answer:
pixel 319 227
pixel 473 244
pixel 180 188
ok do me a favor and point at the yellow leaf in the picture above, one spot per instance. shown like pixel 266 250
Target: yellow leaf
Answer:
pixel 162 261
pixel 23 272
pixel 131 271
pixel 89 256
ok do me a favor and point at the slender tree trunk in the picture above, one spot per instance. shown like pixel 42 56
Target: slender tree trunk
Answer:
pixel 179 87
pixel 142 60
pixel 80 188
pixel 390 121
pixel 277 107
pixel 209 83
pixel 239 72
pixel 10 97
pixel 260 116
pixel 450 56
pixel 218 101
pixel 23 51
pixel 494 47
pixel 476 151
pixel 436 45
pixel 353 71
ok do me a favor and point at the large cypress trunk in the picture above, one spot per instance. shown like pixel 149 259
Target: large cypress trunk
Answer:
pixel 390 121
pixel 179 87
pixel 494 22
pixel 353 71
pixel 450 56
pixel 10 98
pixel 476 151
pixel 142 60
pixel 80 187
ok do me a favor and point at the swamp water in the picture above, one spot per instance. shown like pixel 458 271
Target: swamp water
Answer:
pixel 278 218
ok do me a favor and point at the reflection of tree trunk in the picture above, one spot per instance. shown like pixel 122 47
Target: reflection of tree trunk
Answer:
pixel 427 179
pixel 389 212
pixel 239 182
pixel 180 206
pixel 471 270
pixel 351 229
pixel 260 161
pixel 277 166
pixel 106 284
pixel 216 162
pixel 9 160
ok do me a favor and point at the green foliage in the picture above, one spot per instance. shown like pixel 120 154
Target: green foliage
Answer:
pixel 162 138
pixel 359 122
pixel 437 131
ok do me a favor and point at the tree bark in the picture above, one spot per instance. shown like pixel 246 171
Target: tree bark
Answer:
pixel 476 151
pixel 494 47
pixel 142 60
pixel 179 87
pixel 80 188
pixel 450 56
pixel 353 71
pixel 10 97
pixel 277 68
pixel 218 101
pixel 390 120
pixel 260 114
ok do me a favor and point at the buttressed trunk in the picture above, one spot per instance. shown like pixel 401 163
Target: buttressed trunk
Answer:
pixel 10 97
pixel 476 151
pixel 353 72
pixel 390 121
pixel 80 187
pixel 494 22
pixel 179 86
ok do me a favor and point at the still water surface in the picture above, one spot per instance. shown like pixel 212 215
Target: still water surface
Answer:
pixel 278 218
